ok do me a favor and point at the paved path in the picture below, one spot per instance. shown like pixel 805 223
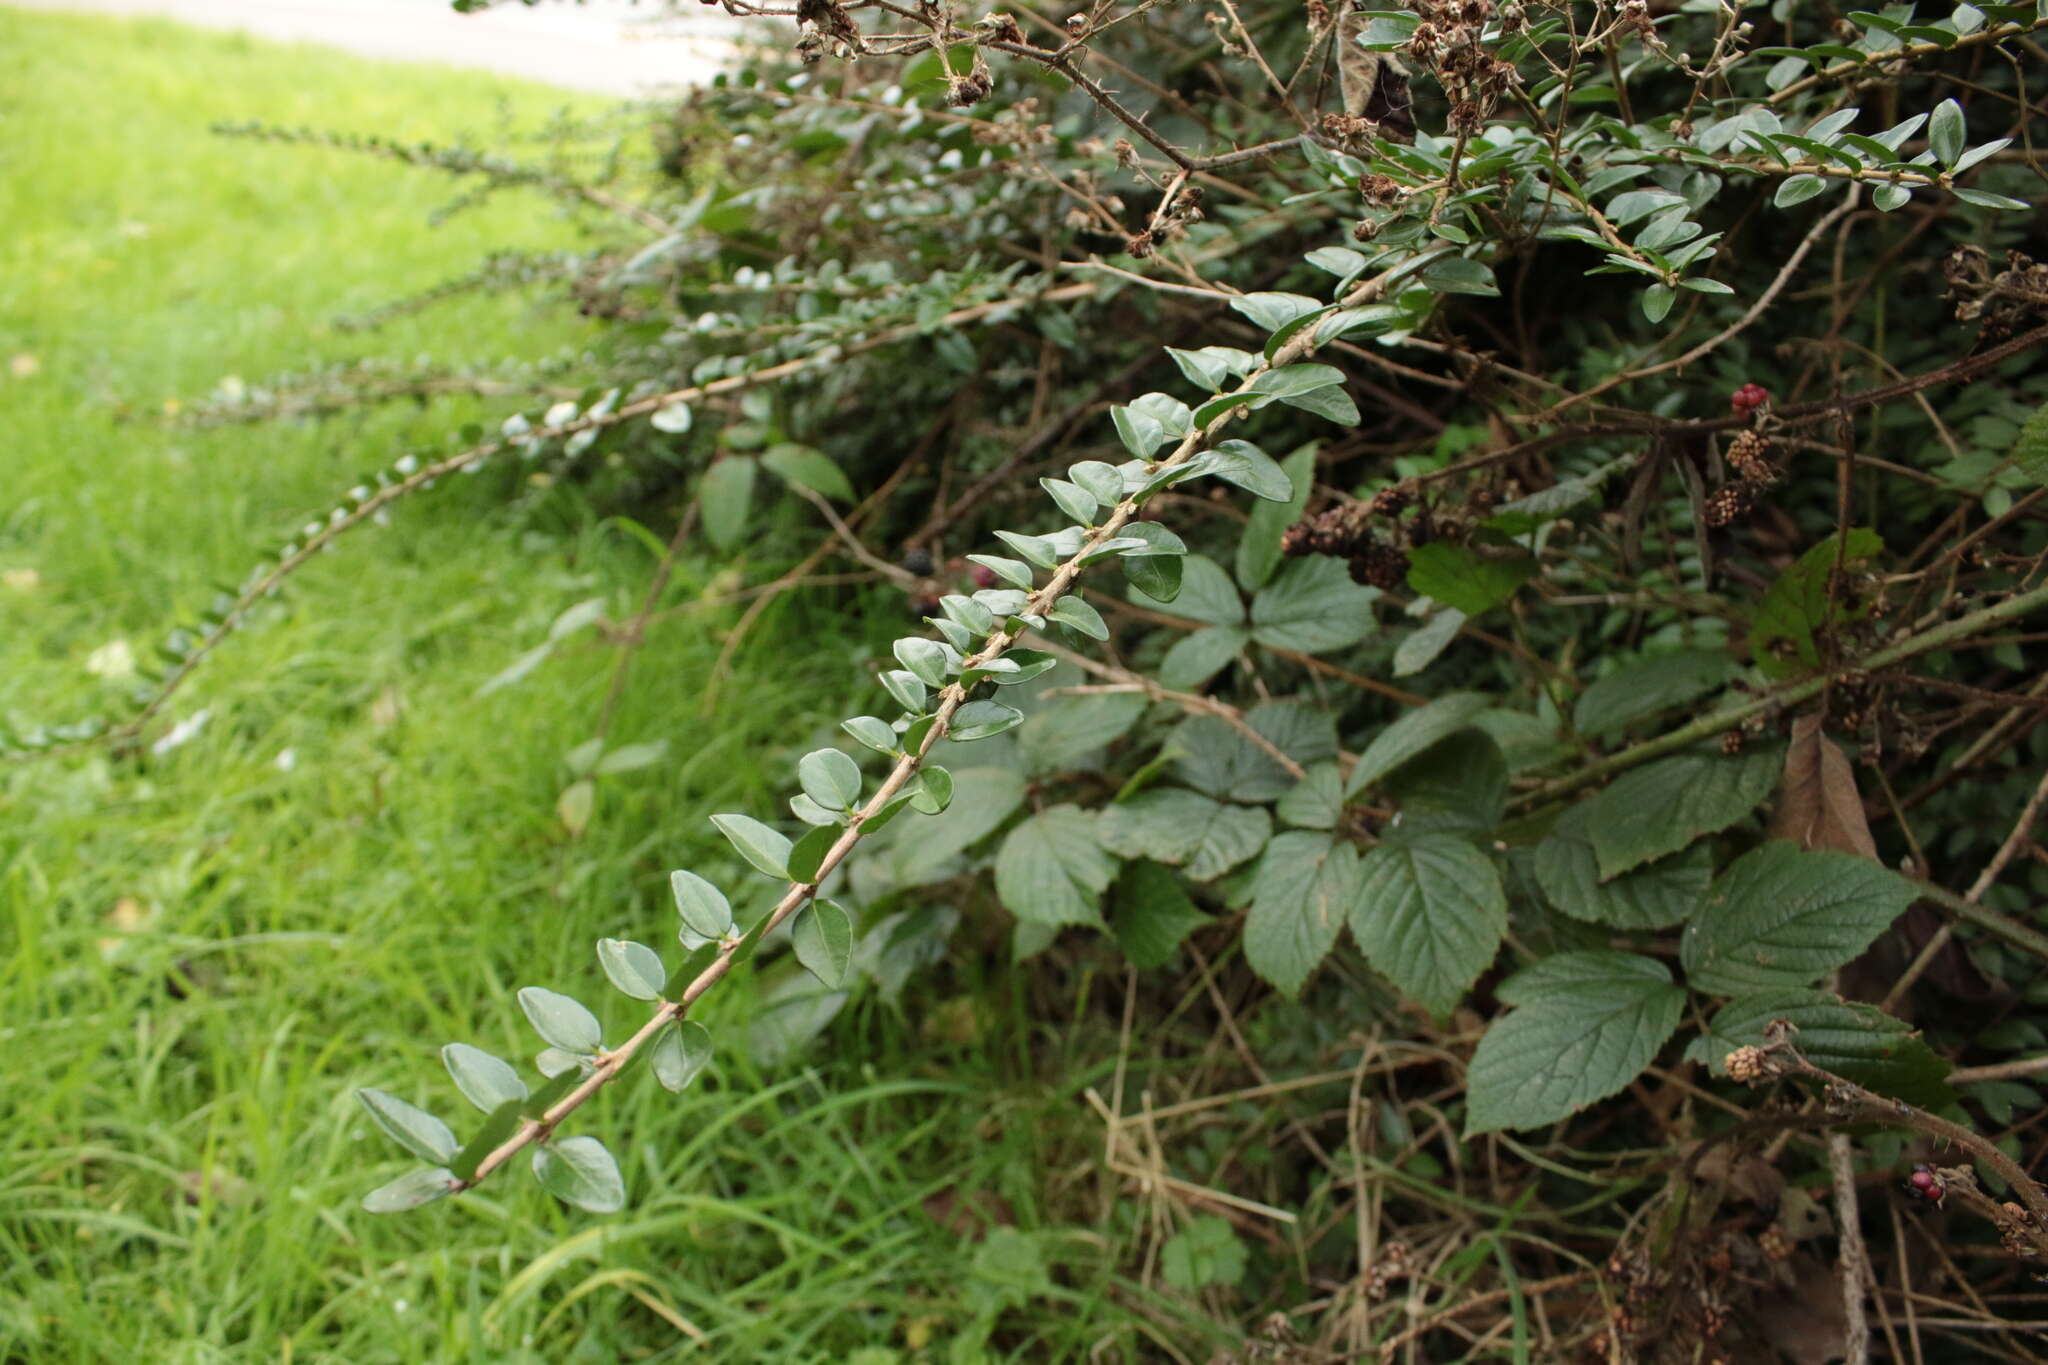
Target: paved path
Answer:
pixel 607 46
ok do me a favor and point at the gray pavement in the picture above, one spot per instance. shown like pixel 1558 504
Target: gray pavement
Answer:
pixel 605 46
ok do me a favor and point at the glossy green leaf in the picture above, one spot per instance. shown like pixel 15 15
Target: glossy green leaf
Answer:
pixel 808 468
pixel 765 848
pixel 412 1128
pixel 560 1020
pixel 410 1191
pixel 704 910
pixel 680 1053
pixel 633 967
pixel 830 778
pixel 579 1171
pixel 823 940
pixel 484 1080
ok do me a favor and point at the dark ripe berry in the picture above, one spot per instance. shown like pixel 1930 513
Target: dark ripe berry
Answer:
pixel 921 607
pixel 918 562
pixel 983 575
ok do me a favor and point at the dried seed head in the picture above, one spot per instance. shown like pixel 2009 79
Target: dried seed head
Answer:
pixel 1730 503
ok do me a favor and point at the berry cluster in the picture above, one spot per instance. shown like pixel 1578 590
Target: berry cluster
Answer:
pixel 1749 398
pixel 1345 532
pixel 1925 1184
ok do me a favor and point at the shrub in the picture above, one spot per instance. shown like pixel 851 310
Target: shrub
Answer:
pixel 1540 438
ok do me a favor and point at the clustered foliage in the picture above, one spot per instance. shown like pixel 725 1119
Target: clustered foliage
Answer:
pixel 1625 635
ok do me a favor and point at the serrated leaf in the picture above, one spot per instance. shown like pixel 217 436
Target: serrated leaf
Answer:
pixel 1458 785
pixel 1052 871
pixel 766 849
pixel 1429 916
pixel 1797 607
pixel 1313 607
pixel 1153 914
pixel 633 967
pixel 1412 734
pixel 1584 1026
pixel 1859 1042
pixel 1462 578
pixel 561 1020
pixel 579 1171
pixel 1422 645
pixel 485 1081
pixel 1315 802
pixel 1663 806
pixel 1258 548
pixel 1302 887
pixel 1184 828
pixel 410 1190
pixel 1656 895
pixel 829 777
pixel 1196 658
pixel 703 907
pixel 680 1053
pixel 1206 595
pixel 823 939
pixel 1781 916
pixel 1067 729
pixel 1218 758
pixel 411 1127
pixel 725 495
pixel 807 468
pixel 1639 690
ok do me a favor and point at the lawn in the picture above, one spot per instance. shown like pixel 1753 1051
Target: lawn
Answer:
pixel 357 857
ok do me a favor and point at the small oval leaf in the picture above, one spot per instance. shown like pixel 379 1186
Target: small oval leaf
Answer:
pixel 633 967
pixel 561 1020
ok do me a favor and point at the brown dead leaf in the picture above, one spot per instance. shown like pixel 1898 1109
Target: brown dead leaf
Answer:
pixel 1818 804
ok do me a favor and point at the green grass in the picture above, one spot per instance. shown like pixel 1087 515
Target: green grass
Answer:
pixel 203 953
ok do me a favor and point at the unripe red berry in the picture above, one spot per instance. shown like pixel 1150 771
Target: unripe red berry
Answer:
pixel 1923 1180
pixel 984 576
